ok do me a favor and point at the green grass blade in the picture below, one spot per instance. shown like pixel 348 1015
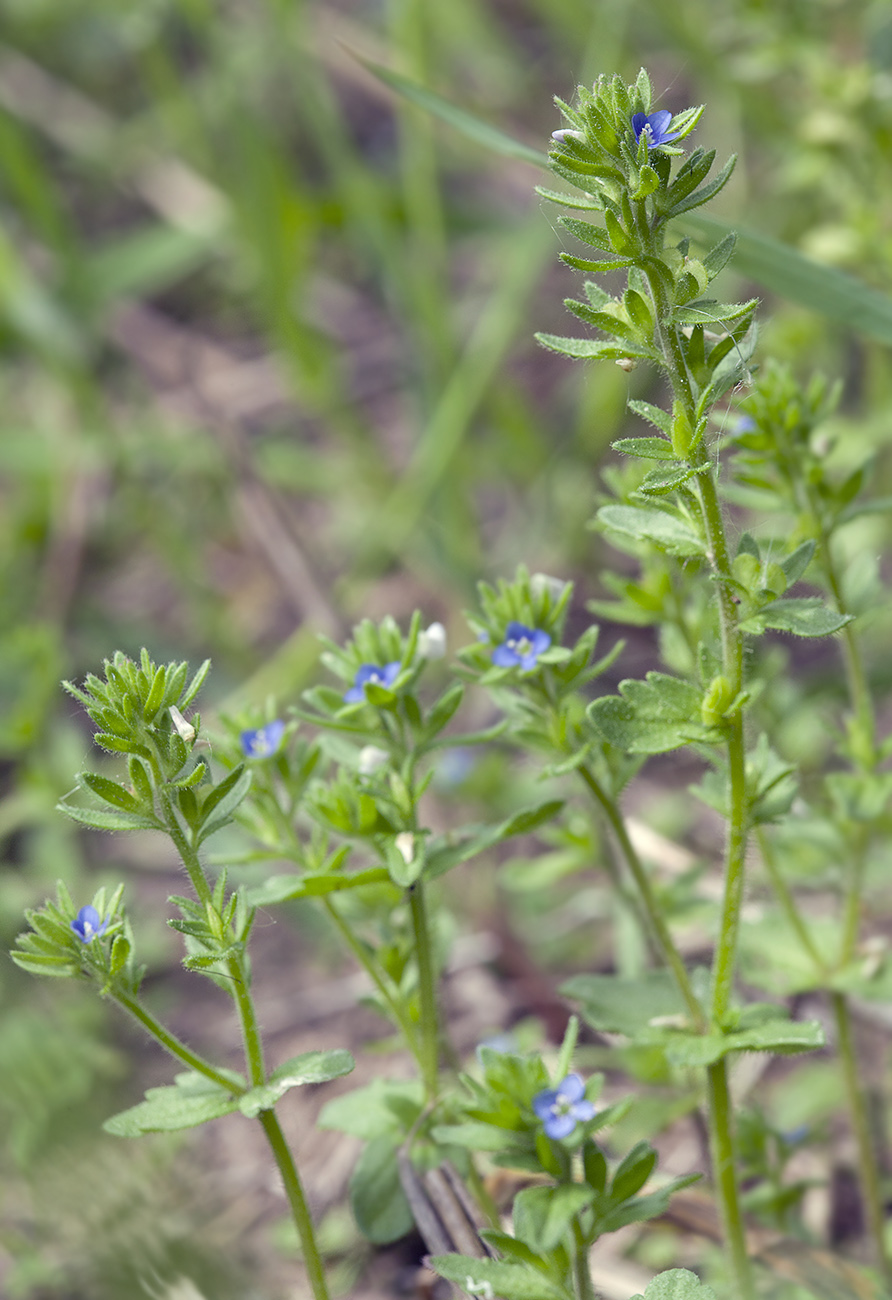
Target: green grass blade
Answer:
pixel 459 118
pixel 791 275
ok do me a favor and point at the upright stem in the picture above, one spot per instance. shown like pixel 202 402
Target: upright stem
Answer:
pixel 651 907
pixel 735 865
pixel 720 1112
pixel 721 1141
pixel 368 964
pixel 870 1178
pixel 429 1058
pixel 583 1276
pixel 298 1202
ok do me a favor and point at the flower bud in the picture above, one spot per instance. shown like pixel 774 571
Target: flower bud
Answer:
pixel 371 758
pixel 432 642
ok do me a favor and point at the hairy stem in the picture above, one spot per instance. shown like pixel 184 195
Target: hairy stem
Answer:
pixel 720 1132
pixel 429 1058
pixel 298 1202
pixel 654 917
pixel 174 1045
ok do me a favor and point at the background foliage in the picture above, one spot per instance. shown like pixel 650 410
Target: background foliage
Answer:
pixel 267 365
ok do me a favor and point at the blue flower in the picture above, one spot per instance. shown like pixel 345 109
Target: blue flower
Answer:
pixel 87 925
pixel 563 1107
pixel 372 675
pixel 522 647
pixel 654 127
pixel 261 742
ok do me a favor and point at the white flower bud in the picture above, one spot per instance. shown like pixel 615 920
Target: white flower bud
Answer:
pixel 432 642
pixel 183 728
pixel 542 582
pixel 405 843
pixel 371 758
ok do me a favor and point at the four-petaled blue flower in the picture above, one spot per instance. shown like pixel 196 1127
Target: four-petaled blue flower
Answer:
pixel 261 742
pixel 521 648
pixel 372 675
pixel 563 1107
pixel 654 127
pixel 87 924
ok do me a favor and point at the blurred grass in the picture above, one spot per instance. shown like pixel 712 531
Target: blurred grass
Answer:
pixel 265 345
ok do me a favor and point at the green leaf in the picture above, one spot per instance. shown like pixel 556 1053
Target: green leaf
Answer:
pixel 377 1199
pixel 192 1100
pixel 708 312
pixel 653 716
pixel 665 530
pixel 551 1210
pixel 310 1067
pixel 383 1108
pixel 662 420
pixel 592 350
pixel 496 1277
pixel 475 1135
pixel 775 1035
pixel 795 564
pixel 110 791
pixel 226 797
pixel 808 616
pixel 652 448
pixel 473 127
pixel 442 856
pixel 100 820
pixel 633 1172
pixel 279 889
pixel 616 1005
pixel 659 482
pixel 676 1284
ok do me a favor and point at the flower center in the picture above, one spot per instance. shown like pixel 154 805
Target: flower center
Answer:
pixel 522 645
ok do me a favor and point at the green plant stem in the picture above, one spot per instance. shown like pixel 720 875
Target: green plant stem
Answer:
pixel 188 854
pixel 651 907
pixel 584 1288
pixel 241 984
pixel 720 1131
pixel 735 867
pixel 429 1057
pixel 174 1045
pixel 253 1045
pixel 368 965
pixel 720 1113
pixel 297 1200
pixel 785 898
pixel 870 1178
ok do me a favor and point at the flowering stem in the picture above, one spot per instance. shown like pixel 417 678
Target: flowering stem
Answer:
pixel 368 964
pixel 429 1058
pixel 174 1045
pixel 657 924
pixel 720 1113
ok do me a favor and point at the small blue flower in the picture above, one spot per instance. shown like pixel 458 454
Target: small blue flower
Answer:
pixel 261 742
pixel 372 675
pixel 745 424
pixel 87 925
pixel 521 648
pixel 563 1107
pixel 654 127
